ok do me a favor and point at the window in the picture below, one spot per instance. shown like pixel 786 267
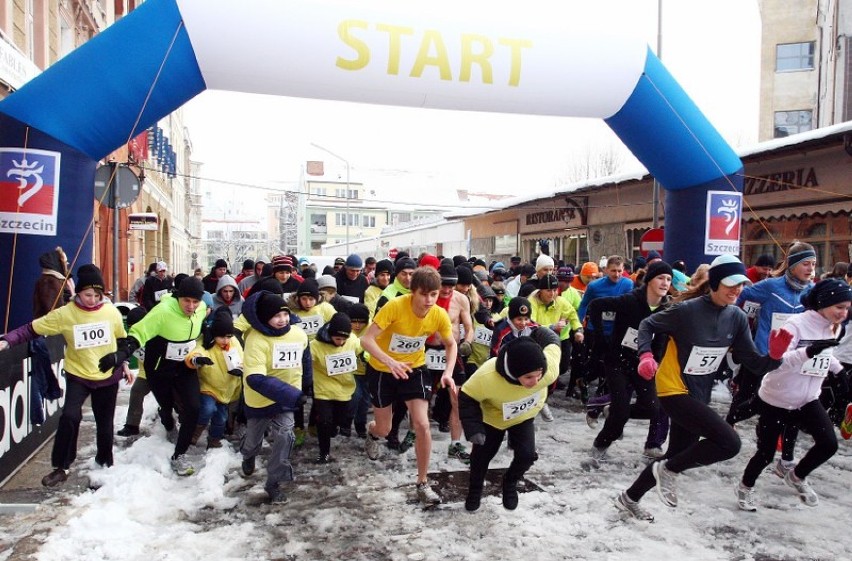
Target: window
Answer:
pixel 794 56
pixel 319 191
pixel 792 122
pixel 369 221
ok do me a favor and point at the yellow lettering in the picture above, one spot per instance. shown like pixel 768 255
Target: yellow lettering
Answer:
pixel 469 57
pixel 359 46
pixel 515 46
pixel 395 33
pixel 440 60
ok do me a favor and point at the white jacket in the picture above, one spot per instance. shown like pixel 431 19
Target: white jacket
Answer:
pixel 789 386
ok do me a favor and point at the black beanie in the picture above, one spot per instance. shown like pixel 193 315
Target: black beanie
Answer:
pixel 384 266
pixel 269 284
pixel 248 264
pixel 827 292
pixel 220 263
pixel 519 306
pixel 178 279
pixel 765 260
pixel 548 282
pixel 135 315
pixel 359 311
pixel 459 259
pixel 222 324
pixel 190 287
pixel 448 275
pixel 309 287
pixel 89 276
pixel 339 325
pixel 403 264
pixel 656 269
pixel 520 356
pixel 465 274
pixel 268 306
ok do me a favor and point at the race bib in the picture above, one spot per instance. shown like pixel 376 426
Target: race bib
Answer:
pixel 436 359
pixel 751 308
pixel 704 360
pixel 88 335
pixel 286 355
pixel 631 339
pixel 513 409
pixel 352 299
pixel 403 344
pixel 779 319
pixel 608 316
pixel 482 335
pixel 159 294
pixel 340 363
pixel 178 351
pixel 818 365
pixel 233 359
pixel 311 324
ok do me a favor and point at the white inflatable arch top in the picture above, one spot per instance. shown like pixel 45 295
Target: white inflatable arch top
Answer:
pixel 546 58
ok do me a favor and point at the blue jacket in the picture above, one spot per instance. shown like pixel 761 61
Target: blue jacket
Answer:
pixel 599 288
pixel 774 296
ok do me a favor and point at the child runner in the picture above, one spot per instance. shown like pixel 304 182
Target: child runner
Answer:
pixel 790 393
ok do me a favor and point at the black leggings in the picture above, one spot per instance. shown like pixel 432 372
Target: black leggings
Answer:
pixel 812 417
pixel 522 437
pixel 178 387
pixel 621 382
pixel 103 407
pixel 698 437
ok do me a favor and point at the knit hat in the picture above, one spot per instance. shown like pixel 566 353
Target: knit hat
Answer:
pixel 515 260
pixel 308 287
pixel 89 276
pixel 248 264
pixel 220 263
pixel 327 281
pixel 269 284
pixel 827 292
pixel 222 324
pixel 548 282
pixel 728 270
pixel 403 264
pixel 359 311
pixel 190 287
pixel 589 269
pixel 268 306
pixel 339 261
pixel 656 269
pixel 449 276
pixel 519 357
pixel 429 260
pixel 135 315
pixel 458 260
pixel 486 291
pixel 765 260
pixel 178 279
pixel 465 274
pixel 653 254
pixel 639 262
pixel 353 262
pixel 339 325
pixel 161 266
pixel 481 275
pixel 384 266
pixel 565 274
pixel 527 271
pixel 544 261
pixel 282 263
pixel 519 306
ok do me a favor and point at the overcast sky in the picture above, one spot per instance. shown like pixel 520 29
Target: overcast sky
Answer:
pixel 711 48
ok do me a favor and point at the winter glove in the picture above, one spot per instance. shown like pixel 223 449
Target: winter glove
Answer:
pixel 236 372
pixel 465 349
pixel 647 365
pixel 545 336
pixel 478 439
pixel 109 362
pixel 818 346
pixel 779 342
pixel 199 361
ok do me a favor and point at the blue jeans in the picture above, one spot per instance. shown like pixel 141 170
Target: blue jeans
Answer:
pixel 360 402
pixel 215 413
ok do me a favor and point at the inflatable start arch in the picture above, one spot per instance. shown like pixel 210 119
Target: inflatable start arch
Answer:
pixel 463 57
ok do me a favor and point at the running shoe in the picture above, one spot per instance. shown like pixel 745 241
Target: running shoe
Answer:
pixel 276 495
pixel 182 466
pixel 55 477
pixel 546 414
pixel 846 424
pixel 458 452
pixel 426 495
pixel 782 467
pixel 371 446
pixel 745 498
pixel 632 508
pixel 653 453
pixel 802 487
pixel 407 442
pixel 596 456
pixel 248 466
pixel 666 483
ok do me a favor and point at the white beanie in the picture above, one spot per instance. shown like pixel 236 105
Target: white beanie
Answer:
pixel 544 261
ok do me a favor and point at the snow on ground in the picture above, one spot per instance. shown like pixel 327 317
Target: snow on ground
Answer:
pixel 356 509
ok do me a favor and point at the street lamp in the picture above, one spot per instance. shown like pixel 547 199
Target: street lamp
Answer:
pixel 345 161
